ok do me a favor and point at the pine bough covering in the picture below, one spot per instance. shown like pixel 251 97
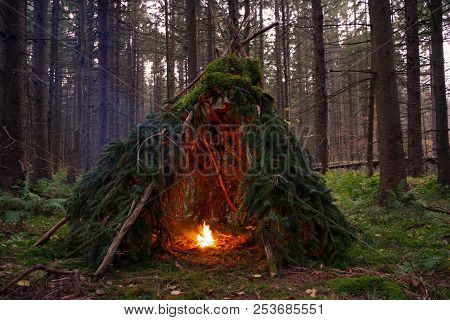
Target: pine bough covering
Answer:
pixel 278 193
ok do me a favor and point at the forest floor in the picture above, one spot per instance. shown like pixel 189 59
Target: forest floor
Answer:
pixel 401 253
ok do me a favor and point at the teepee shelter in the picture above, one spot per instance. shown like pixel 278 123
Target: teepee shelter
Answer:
pixel 217 169
pixel 221 157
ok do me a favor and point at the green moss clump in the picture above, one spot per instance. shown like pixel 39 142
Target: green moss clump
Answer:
pixel 225 74
pixel 367 284
pixel 246 67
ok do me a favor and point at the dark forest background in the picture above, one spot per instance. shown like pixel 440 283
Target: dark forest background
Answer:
pixel 360 82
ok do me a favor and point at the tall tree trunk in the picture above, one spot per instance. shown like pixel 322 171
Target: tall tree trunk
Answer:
pixel 12 97
pixel 233 12
pixel 55 89
pixel 439 95
pixel 40 109
pixel 170 61
pixel 278 63
pixel 157 79
pixel 286 58
pixel 321 103
pixel 370 118
pixel 103 72
pixel 115 45
pixel 75 155
pixel 191 30
pixel 261 37
pixel 89 121
pixel 247 28
pixel 392 159
pixel 211 31
pixel 415 152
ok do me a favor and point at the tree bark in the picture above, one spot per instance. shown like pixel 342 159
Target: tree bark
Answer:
pixel 392 159
pixel 12 97
pixel 439 94
pixel 191 34
pixel 40 107
pixel 415 152
pixel 321 102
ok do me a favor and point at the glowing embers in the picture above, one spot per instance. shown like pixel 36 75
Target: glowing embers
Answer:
pixel 205 238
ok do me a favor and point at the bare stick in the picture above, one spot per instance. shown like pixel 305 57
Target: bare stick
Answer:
pixel 253 36
pixel 216 167
pixel 33 269
pixel 129 221
pixel 50 232
pixel 436 209
pixel 182 92
pixel 271 260
pixel 187 122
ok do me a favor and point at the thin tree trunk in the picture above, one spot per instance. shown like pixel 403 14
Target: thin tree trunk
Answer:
pixel 40 107
pixel 415 152
pixel 439 95
pixel 392 159
pixel 321 103
pixel 12 97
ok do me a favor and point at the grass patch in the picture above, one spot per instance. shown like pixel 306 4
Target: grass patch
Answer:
pixel 368 286
pixel 401 243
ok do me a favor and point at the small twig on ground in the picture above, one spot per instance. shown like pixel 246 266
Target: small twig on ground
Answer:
pixel 75 273
pixel 436 209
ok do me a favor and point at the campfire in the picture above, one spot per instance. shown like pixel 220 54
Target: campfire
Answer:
pixel 205 238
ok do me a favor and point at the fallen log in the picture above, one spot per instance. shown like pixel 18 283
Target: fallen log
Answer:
pixel 129 221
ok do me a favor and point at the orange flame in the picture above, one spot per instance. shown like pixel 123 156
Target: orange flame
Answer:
pixel 205 238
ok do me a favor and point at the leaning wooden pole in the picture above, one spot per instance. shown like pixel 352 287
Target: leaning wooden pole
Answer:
pixel 129 221
pixel 50 232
